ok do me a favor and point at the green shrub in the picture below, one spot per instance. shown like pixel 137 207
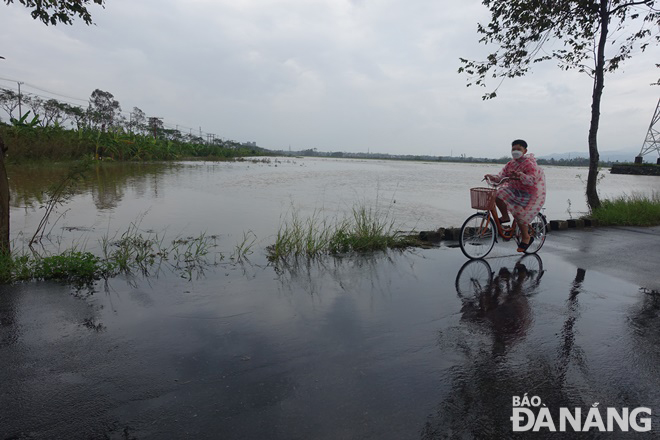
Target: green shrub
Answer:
pixel 629 210
pixel 367 229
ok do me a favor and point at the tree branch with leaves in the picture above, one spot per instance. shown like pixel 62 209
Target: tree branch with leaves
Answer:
pixel 594 37
pixel 59 11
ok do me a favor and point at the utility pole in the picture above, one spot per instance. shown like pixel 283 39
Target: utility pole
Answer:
pixel 4 201
pixel 652 140
pixel 20 113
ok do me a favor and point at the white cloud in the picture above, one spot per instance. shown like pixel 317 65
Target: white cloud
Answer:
pixel 332 74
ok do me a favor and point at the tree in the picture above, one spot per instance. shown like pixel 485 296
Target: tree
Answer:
pixel 103 108
pixel 77 115
pixel 592 36
pixel 8 101
pixel 34 103
pixel 53 112
pixel 137 121
pixel 49 12
pixel 59 11
pixel 156 126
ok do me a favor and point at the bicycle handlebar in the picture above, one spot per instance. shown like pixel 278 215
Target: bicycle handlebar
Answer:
pixel 493 183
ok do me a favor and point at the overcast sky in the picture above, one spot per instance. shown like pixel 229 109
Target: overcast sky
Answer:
pixel 337 75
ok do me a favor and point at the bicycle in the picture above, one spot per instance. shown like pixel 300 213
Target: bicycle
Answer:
pixel 475 277
pixel 480 231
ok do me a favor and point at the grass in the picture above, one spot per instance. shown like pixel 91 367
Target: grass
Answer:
pixel 133 252
pixel 366 229
pixel 629 210
pixel 244 248
pixel 71 266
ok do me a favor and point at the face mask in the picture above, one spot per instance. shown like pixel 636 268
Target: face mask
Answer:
pixel 516 154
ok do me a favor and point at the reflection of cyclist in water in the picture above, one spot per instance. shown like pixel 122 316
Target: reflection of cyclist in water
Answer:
pixel 500 303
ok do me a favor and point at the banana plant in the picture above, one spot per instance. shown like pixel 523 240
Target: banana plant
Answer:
pixel 23 121
pixel 23 126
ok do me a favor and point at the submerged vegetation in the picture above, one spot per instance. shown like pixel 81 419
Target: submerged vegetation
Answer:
pixel 366 229
pixel 138 253
pixel 134 252
pixel 629 210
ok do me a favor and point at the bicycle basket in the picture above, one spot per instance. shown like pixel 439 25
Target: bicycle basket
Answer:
pixel 482 198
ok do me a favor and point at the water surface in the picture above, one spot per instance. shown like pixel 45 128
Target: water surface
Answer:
pixel 231 198
pixel 389 345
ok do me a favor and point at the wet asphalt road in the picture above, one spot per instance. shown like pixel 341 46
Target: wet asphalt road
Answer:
pixel 630 253
pixel 419 345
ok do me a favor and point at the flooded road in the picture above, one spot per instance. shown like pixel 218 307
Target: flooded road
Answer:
pixel 416 344
pixel 419 344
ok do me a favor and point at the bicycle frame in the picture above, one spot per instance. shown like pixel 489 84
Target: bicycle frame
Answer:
pixel 507 233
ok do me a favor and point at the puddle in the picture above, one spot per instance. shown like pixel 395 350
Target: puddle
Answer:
pixel 401 345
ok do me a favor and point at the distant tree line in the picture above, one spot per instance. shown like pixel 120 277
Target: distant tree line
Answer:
pixel 102 113
pixel 47 129
pixel 313 152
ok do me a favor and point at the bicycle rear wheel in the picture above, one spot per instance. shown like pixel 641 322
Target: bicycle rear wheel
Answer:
pixel 538 229
pixel 532 265
pixel 477 236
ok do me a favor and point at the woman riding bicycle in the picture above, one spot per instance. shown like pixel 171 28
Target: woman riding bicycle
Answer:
pixel 524 193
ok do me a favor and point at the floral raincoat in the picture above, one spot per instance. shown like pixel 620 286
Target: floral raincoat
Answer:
pixel 524 197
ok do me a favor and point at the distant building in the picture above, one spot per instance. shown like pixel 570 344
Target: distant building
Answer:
pixel 249 144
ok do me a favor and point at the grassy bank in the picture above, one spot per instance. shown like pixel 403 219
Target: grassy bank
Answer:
pixel 366 229
pixel 629 210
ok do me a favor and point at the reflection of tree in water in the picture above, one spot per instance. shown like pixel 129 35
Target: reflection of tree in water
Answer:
pixel 110 184
pixel 27 183
pixel 494 320
pixel 566 350
pixel 107 182
pixel 644 323
pixel 108 190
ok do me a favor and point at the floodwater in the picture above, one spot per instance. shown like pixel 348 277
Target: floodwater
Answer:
pixel 419 344
pixel 231 199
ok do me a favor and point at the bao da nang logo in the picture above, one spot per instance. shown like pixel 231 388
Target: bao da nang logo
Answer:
pixel 531 414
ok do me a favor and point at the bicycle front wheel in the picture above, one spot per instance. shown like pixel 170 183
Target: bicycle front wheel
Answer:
pixel 477 236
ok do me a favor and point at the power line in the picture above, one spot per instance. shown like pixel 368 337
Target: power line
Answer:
pixel 44 90
pixel 128 113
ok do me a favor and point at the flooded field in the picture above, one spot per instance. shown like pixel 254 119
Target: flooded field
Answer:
pixel 231 198
pixel 420 344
